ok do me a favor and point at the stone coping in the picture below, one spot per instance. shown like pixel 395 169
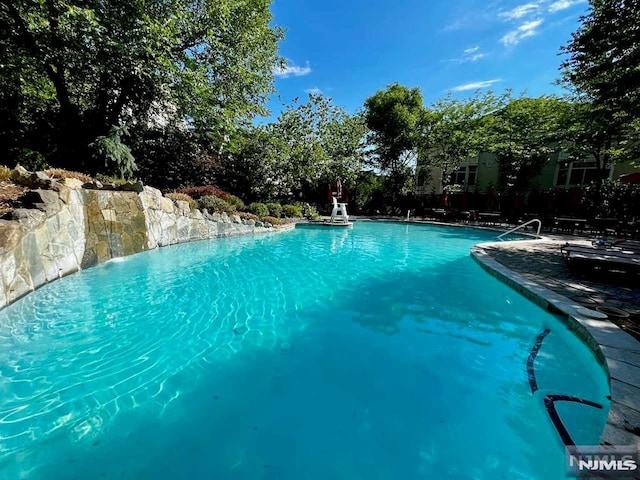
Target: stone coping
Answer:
pixel 615 350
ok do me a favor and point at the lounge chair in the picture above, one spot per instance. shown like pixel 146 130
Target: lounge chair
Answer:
pixel 627 245
pixel 602 256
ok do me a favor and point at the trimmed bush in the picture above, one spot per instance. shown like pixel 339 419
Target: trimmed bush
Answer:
pixel 61 174
pixel 183 197
pixel 215 204
pixel 292 211
pixel 205 190
pixel 259 209
pixel 236 202
pixel 272 220
pixel 248 216
pixel 275 209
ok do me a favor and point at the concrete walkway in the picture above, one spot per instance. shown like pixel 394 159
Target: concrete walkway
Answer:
pixel 537 270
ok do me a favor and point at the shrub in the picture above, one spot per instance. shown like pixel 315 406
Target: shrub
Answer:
pixel 32 160
pixel 615 199
pixel 112 149
pixel 236 202
pixel 183 197
pixel 272 220
pixel 311 212
pixel 60 174
pixel 292 211
pixel 248 216
pixel 259 209
pixel 201 191
pixel 275 209
pixel 215 204
pixel 109 179
pixel 5 173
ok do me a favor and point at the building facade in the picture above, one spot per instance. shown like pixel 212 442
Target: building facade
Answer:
pixel 482 172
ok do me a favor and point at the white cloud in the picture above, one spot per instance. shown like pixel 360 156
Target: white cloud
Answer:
pixel 457 24
pixel 471 54
pixel 563 5
pixel 291 69
pixel 527 29
pixel 313 91
pixel 475 85
pixel 521 11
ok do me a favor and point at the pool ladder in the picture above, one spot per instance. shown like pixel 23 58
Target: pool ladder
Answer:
pixel 525 224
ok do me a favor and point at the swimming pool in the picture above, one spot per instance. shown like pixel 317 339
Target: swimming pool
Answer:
pixel 379 351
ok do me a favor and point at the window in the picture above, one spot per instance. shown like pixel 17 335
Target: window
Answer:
pixel 578 173
pixel 465 175
pixel 459 176
pixel 471 175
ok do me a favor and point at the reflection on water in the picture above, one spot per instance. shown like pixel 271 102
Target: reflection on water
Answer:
pixel 379 351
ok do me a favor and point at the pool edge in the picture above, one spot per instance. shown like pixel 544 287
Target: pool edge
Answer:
pixel 622 417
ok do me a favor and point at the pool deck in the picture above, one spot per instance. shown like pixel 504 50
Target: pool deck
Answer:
pixel 537 270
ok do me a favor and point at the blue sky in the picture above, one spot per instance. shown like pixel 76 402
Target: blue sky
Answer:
pixel 349 49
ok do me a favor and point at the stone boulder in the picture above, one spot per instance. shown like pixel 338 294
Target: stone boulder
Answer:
pixel 137 187
pixel 93 185
pixel 21 176
pixel 72 183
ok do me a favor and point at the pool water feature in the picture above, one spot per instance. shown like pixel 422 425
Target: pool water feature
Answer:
pixel 380 351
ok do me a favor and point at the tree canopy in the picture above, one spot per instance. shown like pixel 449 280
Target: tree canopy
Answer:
pixel 453 130
pixel 73 71
pixel 603 67
pixel 393 116
pixel 310 144
pixel 523 135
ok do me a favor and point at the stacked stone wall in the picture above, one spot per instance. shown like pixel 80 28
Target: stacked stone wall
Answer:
pixel 68 227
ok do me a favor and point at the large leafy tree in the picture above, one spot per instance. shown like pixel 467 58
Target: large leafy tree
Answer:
pixel 603 67
pixel 586 135
pixel 454 129
pixel 75 70
pixel 309 145
pixel 523 135
pixel 393 115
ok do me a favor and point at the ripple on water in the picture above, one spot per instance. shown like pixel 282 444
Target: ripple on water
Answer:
pixel 137 337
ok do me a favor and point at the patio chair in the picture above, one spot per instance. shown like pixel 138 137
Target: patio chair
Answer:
pixel 627 245
pixel 601 257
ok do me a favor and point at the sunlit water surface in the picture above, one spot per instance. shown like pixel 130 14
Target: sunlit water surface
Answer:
pixel 378 352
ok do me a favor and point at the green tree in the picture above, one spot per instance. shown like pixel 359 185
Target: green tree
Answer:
pixel 603 67
pixel 344 140
pixel 585 135
pixel 174 157
pixel 309 145
pixel 74 70
pixel 393 115
pixel 523 135
pixel 454 129
pixel 254 172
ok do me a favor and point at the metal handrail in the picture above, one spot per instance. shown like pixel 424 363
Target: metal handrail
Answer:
pixel 515 229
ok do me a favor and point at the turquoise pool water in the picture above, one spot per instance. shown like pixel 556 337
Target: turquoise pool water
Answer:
pixel 378 352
